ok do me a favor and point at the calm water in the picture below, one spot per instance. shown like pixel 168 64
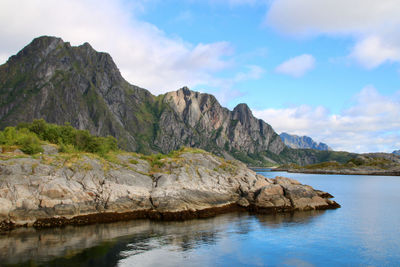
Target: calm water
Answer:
pixel 364 232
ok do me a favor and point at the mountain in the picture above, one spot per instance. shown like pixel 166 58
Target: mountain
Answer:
pixel 396 152
pixel 60 83
pixel 295 141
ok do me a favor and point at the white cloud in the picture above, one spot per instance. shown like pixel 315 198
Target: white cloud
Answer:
pixel 225 91
pixel 297 66
pixel 333 16
pixel 371 124
pixel 375 25
pixel 373 51
pixel 145 55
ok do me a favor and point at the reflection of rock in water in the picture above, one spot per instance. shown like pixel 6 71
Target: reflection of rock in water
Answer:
pixel 300 217
pixel 106 244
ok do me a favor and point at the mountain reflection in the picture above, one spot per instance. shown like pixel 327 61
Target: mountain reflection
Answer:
pixel 276 220
pixel 107 244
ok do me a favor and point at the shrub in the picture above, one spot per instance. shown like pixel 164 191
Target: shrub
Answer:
pixel 28 136
pixel 29 142
pixel 67 148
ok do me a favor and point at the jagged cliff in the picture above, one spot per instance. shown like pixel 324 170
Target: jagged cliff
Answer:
pixel 53 80
pixel 295 141
pixel 199 120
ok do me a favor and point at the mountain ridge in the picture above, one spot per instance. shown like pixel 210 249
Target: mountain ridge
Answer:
pixel 78 85
pixel 295 141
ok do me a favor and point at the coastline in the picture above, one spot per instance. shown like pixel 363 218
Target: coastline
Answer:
pixel 154 215
pixel 340 172
pixel 55 190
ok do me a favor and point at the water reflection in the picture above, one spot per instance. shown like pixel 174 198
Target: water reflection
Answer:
pixel 364 232
pixel 279 220
pixel 107 244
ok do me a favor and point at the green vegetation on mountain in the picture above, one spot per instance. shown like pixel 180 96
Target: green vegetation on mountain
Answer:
pixel 30 136
pixel 60 83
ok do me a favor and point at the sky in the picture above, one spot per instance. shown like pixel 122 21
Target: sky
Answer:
pixel 326 69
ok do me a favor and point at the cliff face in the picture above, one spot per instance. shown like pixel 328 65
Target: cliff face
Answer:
pixel 295 141
pixel 53 80
pixel 49 79
pixel 198 120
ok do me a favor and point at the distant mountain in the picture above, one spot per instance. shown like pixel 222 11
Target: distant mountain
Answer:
pixel 396 152
pixel 60 83
pixel 295 141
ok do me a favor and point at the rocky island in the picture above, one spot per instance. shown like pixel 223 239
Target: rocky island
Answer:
pixel 71 182
pixel 363 164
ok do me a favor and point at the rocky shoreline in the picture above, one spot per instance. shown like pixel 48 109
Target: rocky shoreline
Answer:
pixel 341 172
pixel 56 189
pixel 381 164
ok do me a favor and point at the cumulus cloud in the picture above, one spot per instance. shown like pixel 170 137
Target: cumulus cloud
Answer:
pixel 373 51
pixel 375 25
pixel 370 124
pixel 146 56
pixel 297 66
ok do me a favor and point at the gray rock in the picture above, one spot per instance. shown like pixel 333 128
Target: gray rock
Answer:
pixel 49 149
pixel 30 190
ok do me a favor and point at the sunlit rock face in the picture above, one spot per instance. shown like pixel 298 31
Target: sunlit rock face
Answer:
pixel 199 120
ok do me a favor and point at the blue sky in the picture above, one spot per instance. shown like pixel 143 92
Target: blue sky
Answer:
pixel 328 69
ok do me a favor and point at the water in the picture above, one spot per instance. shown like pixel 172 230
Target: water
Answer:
pixel 364 232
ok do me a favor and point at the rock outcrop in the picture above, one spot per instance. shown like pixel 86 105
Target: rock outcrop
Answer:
pixel 295 141
pixel 60 189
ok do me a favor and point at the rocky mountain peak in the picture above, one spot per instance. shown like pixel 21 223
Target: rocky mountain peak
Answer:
pixel 243 108
pixel 295 141
pixel 43 44
pixel 36 51
pixel 186 91
pixel 76 84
